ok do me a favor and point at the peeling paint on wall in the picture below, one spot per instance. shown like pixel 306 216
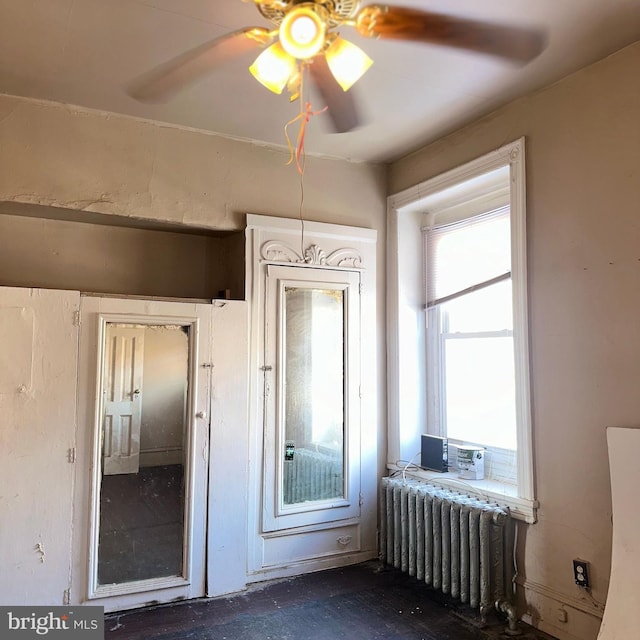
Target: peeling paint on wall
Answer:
pixel 39 548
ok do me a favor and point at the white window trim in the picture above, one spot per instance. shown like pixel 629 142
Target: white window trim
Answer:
pixel 407 212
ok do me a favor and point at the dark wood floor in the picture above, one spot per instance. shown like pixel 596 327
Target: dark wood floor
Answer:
pixel 351 603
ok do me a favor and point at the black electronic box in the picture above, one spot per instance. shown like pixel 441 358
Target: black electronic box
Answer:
pixel 434 453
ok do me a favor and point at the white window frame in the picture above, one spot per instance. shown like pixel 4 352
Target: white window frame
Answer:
pixel 477 183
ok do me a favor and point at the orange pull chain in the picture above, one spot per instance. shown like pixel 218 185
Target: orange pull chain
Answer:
pixel 306 112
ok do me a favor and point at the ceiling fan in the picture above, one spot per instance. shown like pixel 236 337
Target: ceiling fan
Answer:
pixel 306 37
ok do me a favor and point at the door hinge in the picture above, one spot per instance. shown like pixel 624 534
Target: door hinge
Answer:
pixel 71 455
pixel 360 287
pixel 66 596
pixel 76 318
pixel 360 499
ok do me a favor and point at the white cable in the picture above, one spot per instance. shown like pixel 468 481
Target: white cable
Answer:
pixel 515 559
pixel 404 470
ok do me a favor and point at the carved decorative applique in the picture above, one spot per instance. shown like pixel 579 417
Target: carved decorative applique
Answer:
pixel 277 251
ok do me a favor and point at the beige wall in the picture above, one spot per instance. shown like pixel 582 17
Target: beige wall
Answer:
pixel 51 154
pixel 97 258
pixel 583 189
pixel 78 160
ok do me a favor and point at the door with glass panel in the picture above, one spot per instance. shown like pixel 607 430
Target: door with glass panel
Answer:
pixel 312 406
pixel 145 389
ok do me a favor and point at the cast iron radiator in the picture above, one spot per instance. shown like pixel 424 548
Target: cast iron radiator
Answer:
pixel 455 543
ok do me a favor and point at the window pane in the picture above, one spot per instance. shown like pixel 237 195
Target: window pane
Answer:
pixel 467 253
pixel 488 309
pixel 480 391
pixel 314 395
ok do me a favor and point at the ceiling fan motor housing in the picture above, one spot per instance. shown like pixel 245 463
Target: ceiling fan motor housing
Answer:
pixel 337 11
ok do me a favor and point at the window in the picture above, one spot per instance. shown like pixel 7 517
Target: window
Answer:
pixel 470 349
pixel 460 368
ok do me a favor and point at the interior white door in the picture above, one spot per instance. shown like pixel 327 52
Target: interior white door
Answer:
pixel 122 397
pixel 38 355
pixel 150 572
pixel 312 403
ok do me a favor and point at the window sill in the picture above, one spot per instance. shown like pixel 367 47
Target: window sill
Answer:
pixel 490 490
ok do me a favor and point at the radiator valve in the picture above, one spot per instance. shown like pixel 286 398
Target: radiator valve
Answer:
pixel 502 606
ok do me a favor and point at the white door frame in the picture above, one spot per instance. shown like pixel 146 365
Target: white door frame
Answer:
pixel 310 547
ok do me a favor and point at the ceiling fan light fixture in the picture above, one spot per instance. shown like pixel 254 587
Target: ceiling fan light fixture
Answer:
pixel 303 31
pixel 348 62
pixel 273 68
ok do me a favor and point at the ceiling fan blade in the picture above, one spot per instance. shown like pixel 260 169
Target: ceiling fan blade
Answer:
pixel 341 105
pixel 402 23
pixel 164 81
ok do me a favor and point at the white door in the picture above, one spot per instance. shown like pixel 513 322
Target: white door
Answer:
pixel 124 357
pixel 312 403
pixel 38 354
pixel 146 531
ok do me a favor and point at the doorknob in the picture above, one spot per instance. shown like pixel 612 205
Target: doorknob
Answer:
pixel 135 392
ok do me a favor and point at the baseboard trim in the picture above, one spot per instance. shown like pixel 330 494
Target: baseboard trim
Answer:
pixel 309 566
pixel 588 605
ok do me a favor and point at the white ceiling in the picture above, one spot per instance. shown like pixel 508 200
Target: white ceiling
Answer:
pixel 85 52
